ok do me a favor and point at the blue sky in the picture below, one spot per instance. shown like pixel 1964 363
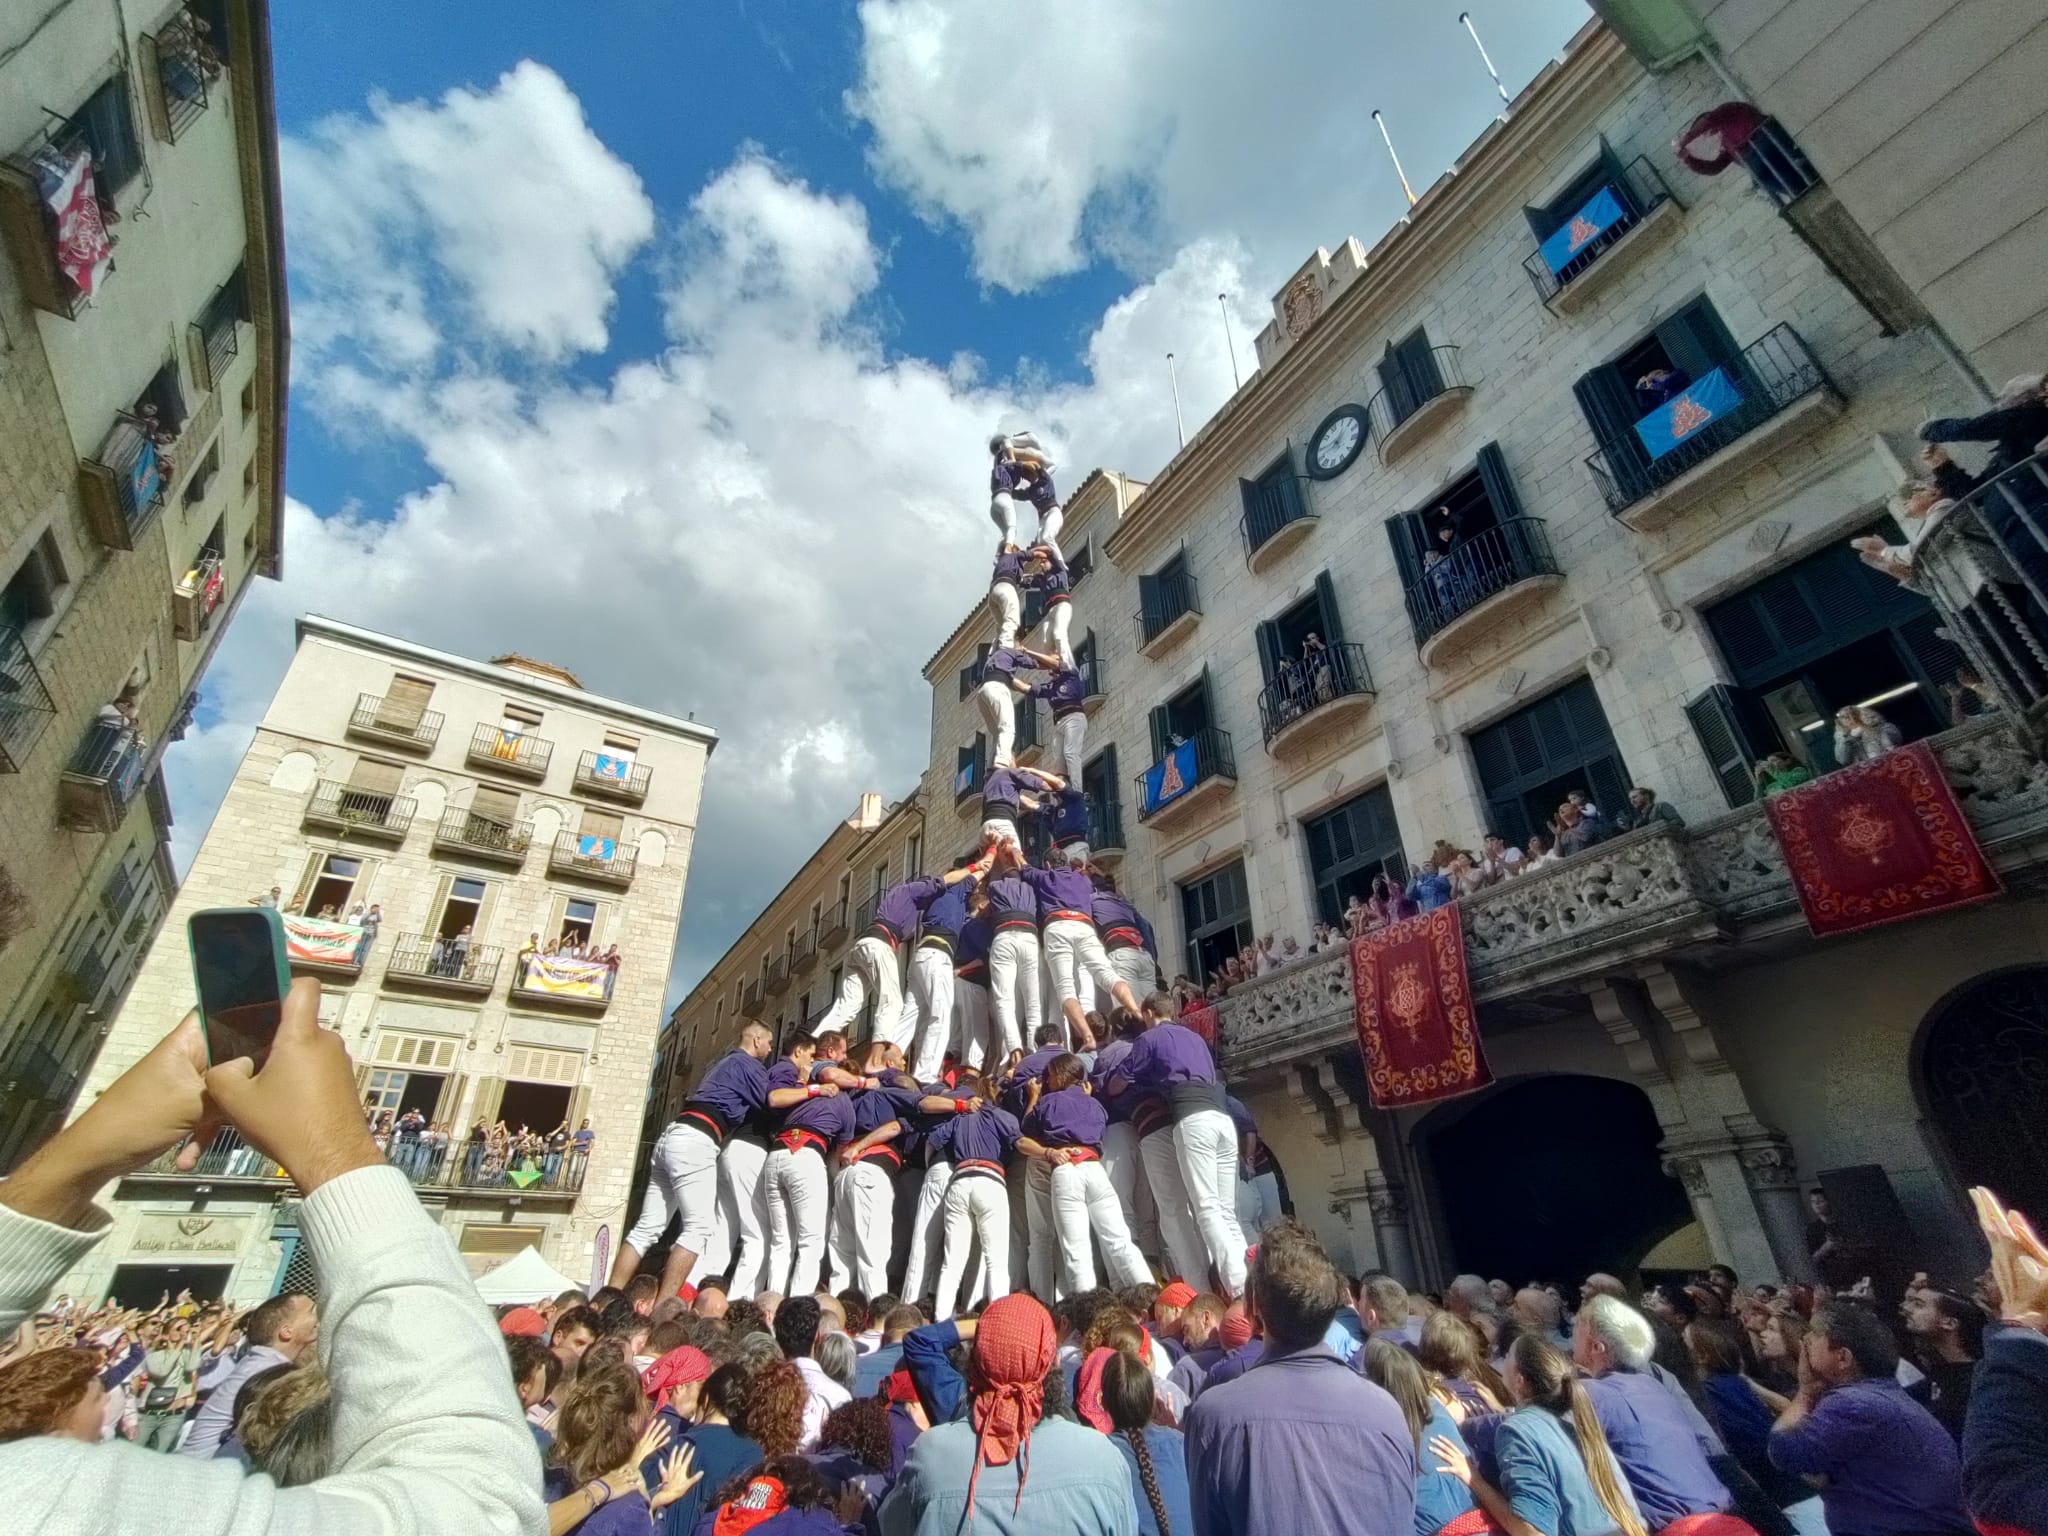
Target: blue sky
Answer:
pixel 592 304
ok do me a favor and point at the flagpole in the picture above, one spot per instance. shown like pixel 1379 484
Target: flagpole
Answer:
pixel 1394 157
pixel 1465 17
pixel 1174 379
pixel 1228 341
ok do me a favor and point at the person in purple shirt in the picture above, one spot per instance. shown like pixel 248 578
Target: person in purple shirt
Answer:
pixel 977 1205
pixel 1126 936
pixel 683 1174
pixel 794 1181
pixel 1066 823
pixel 1019 1087
pixel 931 967
pixel 1301 1442
pixel 1006 591
pixel 1046 573
pixel 996 698
pixel 1662 1451
pixel 970 985
pixel 1012 959
pixel 871 964
pixel 1171 1058
pixel 1005 798
pixel 863 1186
pixel 1885 1464
pixel 1064 1127
pixel 1073 949
pixel 1022 472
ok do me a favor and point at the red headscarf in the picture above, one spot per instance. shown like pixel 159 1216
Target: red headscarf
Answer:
pixel 679 1367
pixel 1088 1391
pixel 1013 1349
pixel 1237 1328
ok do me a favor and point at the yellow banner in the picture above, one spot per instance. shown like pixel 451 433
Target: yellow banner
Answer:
pixel 563 976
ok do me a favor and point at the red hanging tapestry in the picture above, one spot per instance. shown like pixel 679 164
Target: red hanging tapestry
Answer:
pixel 1877 842
pixel 1417 1028
pixel 1201 1018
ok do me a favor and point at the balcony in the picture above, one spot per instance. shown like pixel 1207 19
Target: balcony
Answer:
pixel 1485 580
pixel 1173 610
pixel 1193 773
pixel 1029 743
pixel 25 705
pixel 102 777
pixel 123 484
pixel 605 860
pixel 197 596
pixel 395 722
pixel 968 779
pixel 1310 696
pixel 750 1000
pixel 475 835
pixel 804 954
pixel 1710 895
pixel 513 753
pixel 778 976
pixel 360 812
pixel 1773 393
pixel 864 914
pixel 614 777
pixel 832 927
pixel 1094 691
pixel 1276 517
pixel 1606 236
pixel 1421 399
pixel 216 336
pixel 459 1166
pixel 83 975
pixel 1106 829
pixel 561 981
pixel 179 63
pixel 436 964
pixel 55 216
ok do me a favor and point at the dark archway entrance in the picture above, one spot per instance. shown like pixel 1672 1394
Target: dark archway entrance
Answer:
pixel 1552 1178
pixel 1983 1081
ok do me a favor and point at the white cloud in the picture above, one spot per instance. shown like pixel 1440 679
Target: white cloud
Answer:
pixel 523 211
pixel 1129 127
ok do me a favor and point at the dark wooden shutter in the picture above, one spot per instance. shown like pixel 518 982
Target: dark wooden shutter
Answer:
pixel 1149 604
pixel 1697 340
pixel 1613 174
pixel 1162 731
pixel 1394 380
pixel 1287 486
pixel 1933 658
pixel 1258 517
pixel 1725 720
pixel 1417 363
pixel 1270 652
pixel 1208 699
pixel 1404 533
pixel 1326 602
pixel 1609 404
pixel 1500 487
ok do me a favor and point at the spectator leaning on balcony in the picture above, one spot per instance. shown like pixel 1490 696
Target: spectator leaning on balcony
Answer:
pixel 1659 386
pixel 1431 887
pixel 1579 827
pixel 1500 858
pixel 2015 428
pixel 1863 735
pixel 1645 809
pixel 1779 772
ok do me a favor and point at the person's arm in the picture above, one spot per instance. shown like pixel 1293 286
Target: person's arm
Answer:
pixel 1799 1441
pixel 947 1104
pixel 1039 1151
pixel 1989 427
pixel 941 1389
pixel 860 1146
pixel 1451 1459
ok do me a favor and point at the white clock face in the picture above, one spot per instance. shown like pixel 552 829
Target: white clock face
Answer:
pixel 1338 443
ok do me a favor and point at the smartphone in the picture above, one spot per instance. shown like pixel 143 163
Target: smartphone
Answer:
pixel 242 973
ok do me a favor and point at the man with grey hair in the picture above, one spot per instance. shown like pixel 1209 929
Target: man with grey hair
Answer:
pixel 1468 1298
pixel 1539 1312
pixel 1603 1284
pixel 1662 1452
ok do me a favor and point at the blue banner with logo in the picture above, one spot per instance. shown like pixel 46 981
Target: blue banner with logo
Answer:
pixel 616 770
pixel 145 479
pixel 1171 777
pixel 1602 212
pixel 1707 400
pixel 963 781
pixel 597 848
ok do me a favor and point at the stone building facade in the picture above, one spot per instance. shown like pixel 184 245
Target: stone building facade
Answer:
pixel 141 464
pixel 481 809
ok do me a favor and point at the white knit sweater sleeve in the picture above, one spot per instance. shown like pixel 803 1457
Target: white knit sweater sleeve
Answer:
pixel 428 1436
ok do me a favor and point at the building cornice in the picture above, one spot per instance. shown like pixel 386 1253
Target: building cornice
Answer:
pixel 263 213
pixel 502 677
pixel 1568 89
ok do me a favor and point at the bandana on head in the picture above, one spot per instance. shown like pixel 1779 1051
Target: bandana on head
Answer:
pixel 1013 1349
pixel 1236 1330
pixel 901 1388
pixel 1088 1391
pixel 679 1367
pixel 761 1500
pixel 1178 1294
pixel 522 1322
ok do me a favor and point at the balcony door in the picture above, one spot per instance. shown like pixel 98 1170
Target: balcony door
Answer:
pixel 1216 915
pixel 1349 845
pixel 575 922
pixel 1528 762
pixel 1287 656
pixel 372 787
pixel 330 885
pixel 405 701
pixel 1183 717
pixel 1687 345
pixel 1099 789
pixel 598 834
pixel 1409 375
pixel 491 816
pixel 1463 545
pixel 464 905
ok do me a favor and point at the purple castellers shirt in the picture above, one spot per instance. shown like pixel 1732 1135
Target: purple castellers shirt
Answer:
pixel 1169 1053
pixel 1069 1118
pixel 1892 1470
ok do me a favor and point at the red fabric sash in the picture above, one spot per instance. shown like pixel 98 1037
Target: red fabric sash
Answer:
pixel 797 1140
pixel 1708 1525
pixel 882 1151
pixel 717 1131
pixel 1417 1028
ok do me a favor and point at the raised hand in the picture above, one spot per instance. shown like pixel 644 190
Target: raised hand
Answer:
pixel 678 1476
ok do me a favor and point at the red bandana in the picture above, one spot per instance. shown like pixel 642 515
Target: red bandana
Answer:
pixel 1013 1349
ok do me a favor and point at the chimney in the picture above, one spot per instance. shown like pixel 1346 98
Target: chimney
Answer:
pixel 869 816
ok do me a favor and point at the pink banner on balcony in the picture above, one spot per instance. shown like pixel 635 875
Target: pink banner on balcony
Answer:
pixel 319 941
pixel 1878 842
pixel 84 253
pixel 1417 1028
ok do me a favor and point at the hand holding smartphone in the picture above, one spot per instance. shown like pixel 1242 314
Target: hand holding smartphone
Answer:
pixel 242 974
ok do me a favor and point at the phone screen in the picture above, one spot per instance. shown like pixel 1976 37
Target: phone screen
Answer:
pixel 236 965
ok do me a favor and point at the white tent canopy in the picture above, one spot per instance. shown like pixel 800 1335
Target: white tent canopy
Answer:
pixel 523 1279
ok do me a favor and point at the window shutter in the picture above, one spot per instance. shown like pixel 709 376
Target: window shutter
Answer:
pixel 1613 174
pixel 490 1095
pixel 439 906
pixel 1418 366
pixel 1405 535
pixel 1932 657
pixel 1393 371
pixel 1148 600
pixel 1255 516
pixel 579 1106
pixel 375 777
pixel 486 909
pixel 1607 784
pixel 558 906
pixel 1541 223
pixel 1208 699
pixel 606 824
pixel 304 890
pixel 1697 340
pixel 1288 485
pixel 1162 732
pixel 451 1096
pixel 1269 650
pixel 1109 779
pixel 1609 406
pixel 1718 719
pixel 1326 601
pixel 1500 489
pixel 495 805
pixel 1505 815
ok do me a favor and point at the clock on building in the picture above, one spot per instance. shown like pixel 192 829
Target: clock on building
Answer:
pixel 1336 442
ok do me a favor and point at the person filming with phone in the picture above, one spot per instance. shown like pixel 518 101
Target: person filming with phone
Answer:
pixel 427 1433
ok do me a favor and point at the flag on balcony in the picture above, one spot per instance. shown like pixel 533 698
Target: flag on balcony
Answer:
pixel 614 770
pixel 1707 400
pixel 566 976
pixel 1877 842
pixel 1601 213
pixel 505 745
pixel 84 253
pixel 596 848
pixel 319 941
pixel 963 781
pixel 1170 778
pixel 1202 1020
pixel 1417 1028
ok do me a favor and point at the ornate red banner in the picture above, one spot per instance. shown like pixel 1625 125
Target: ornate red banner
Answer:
pixel 1416 1026
pixel 1877 842
pixel 1202 1020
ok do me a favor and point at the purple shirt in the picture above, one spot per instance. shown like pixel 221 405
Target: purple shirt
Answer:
pixel 985 1136
pixel 947 914
pixel 1001 795
pixel 1169 1053
pixel 1659 1451
pixel 1111 912
pixel 1011 900
pixel 735 1085
pixel 1892 1470
pixel 874 1108
pixel 1053 582
pixel 1300 1443
pixel 901 905
pixel 970 954
pixel 1029 1071
pixel 831 1118
pixel 1005 661
pixel 1060 890
pixel 1007 477
pixel 1065 689
pixel 1009 568
pixel 1069 1118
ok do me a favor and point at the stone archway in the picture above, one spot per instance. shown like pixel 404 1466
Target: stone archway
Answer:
pixel 1551 1176
pixel 1980 1071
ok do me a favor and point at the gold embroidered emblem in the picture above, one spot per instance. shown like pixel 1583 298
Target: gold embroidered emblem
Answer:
pixel 1862 832
pixel 1408 999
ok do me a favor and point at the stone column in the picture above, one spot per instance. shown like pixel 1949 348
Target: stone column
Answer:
pixel 1365 1196
pixel 1773 1174
pixel 1388 1202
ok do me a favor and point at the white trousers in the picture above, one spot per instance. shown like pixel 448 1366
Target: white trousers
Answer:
pixel 1126 1173
pixel 1042 1242
pixel 1185 1254
pixel 999 829
pixel 1012 988
pixel 1049 522
pixel 1002 511
pixel 870 968
pixel 997 701
pixel 924 1230
pixel 797 1197
pixel 1083 1201
pixel 863 1222
pixel 1205 1143
pixel 931 1007
pixel 1258 1202
pixel 743 1208
pixel 1069 739
pixel 1058 619
pixel 972 1022
pixel 1009 611
pixel 1073 949
pixel 976 1206
pixel 682 1176
pixel 1136 969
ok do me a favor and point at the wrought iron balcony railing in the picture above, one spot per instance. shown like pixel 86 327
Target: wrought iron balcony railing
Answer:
pixel 370 812
pixel 832 926
pixel 432 960
pixel 1478 567
pixel 608 859
pixel 25 704
pixel 102 777
pixel 182 60
pixel 427 1160
pixel 508 751
pixel 124 483
pixel 471 832
pixel 1302 686
pixel 1270 507
pixel 1105 822
pixel 1637 193
pixel 1173 598
pixel 602 773
pixel 1432 376
pixel 395 721
pixel 1204 756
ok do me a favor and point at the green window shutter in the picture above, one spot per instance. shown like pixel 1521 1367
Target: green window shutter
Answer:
pixel 1500 486
pixel 1326 603
pixel 1717 722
